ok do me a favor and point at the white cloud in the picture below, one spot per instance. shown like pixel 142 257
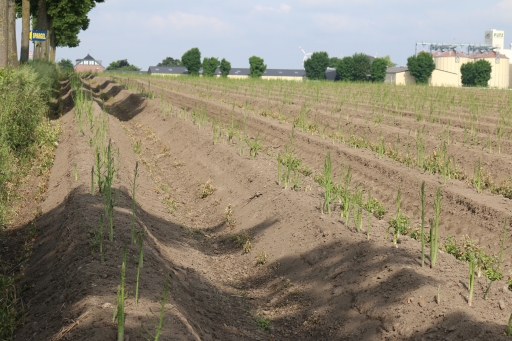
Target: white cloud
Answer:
pixel 188 23
pixel 283 8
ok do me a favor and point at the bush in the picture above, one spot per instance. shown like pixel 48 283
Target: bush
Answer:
pixel 192 61
pixel 316 65
pixel 421 67
pixel 378 70
pixel 257 66
pixel 122 65
pixel 345 68
pixel 476 74
pixel 225 67
pixel 209 66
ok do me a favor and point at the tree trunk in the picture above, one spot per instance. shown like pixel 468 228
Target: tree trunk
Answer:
pixel 53 46
pixel 4 41
pixel 11 22
pixel 42 24
pixel 25 30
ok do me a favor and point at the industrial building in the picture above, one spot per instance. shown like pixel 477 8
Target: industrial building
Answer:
pixel 450 57
pixel 284 74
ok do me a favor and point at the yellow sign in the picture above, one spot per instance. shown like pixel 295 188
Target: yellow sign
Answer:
pixel 37 35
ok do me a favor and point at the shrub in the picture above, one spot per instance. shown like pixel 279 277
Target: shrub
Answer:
pixel 421 67
pixel 476 74
pixel 316 65
pixel 192 61
pixel 257 66
pixel 361 67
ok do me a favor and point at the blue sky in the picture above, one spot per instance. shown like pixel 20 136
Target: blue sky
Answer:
pixel 145 32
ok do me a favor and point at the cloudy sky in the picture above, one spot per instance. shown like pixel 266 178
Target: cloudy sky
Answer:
pixel 145 32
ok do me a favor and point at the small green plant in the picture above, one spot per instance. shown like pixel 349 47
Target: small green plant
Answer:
pixel 375 207
pixel 422 235
pixel 120 298
pixel 509 326
pixel 262 322
pixel 9 307
pixel 369 225
pixel 438 296
pixel 160 323
pixel 140 237
pixel 137 148
pixel 134 201
pixel 207 189
pixel 254 146
pixel 327 184
pixel 434 229
pixel 400 225
pixel 243 241
pixel 471 283
pixel 261 258
pixel 75 172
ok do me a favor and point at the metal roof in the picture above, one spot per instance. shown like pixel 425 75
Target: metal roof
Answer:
pixel 398 69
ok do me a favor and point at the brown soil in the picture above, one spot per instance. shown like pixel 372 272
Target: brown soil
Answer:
pixel 306 273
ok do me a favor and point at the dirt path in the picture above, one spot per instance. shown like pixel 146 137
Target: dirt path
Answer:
pixel 244 258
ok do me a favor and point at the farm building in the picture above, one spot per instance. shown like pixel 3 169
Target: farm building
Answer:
pixel 88 64
pixel 402 76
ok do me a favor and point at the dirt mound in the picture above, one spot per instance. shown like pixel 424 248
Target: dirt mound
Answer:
pixel 244 258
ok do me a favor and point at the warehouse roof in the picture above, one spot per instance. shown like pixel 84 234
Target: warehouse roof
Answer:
pixel 398 69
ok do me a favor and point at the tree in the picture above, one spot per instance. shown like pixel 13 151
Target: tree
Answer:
pixel 421 67
pixel 361 67
pixel 225 67
pixel 66 65
pixel 316 65
pixel 389 62
pixel 11 23
pixel 257 66
pixel 476 74
pixel 209 66
pixel 25 30
pixel 483 70
pixel 169 61
pixel 122 65
pixel 333 62
pixel 192 61
pixel 378 70
pixel 4 32
pixel 344 69
pixel 467 72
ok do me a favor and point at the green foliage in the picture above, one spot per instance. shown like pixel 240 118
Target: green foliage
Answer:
pixel 389 62
pixel 209 66
pixel 476 74
pixel 333 62
pixel 316 65
pixel 400 225
pixel 344 69
pixel 361 67
pixel 421 67
pixel 192 61
pixel 225 67
pixel 169 61
pixel 378 70
pixel 257 66
pixel 8 308
pixel 122 65
pixel 66 65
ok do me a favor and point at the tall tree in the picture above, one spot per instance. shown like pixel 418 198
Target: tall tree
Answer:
pixel 4 41
pixel 25 30
pixel 41 51
pixel 225 67
pixel 361 68
pixel 378 70
pixel 11 24
pixel 333 62
pixel 257 66
pixel 316 65
pixel 209 66
pixel 421 67
pixel 345 69
pixel 192 61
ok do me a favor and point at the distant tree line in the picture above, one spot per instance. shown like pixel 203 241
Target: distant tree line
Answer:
pixel 122 65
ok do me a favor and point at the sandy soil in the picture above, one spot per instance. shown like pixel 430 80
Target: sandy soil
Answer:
pixel 304 274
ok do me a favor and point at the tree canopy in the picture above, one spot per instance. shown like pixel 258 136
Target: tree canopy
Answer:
pixel 421 67
pixel 476 74
pixel 66 64
pixel 389 62
pixel 344 69
pixel 225 67
pixel 333 62
pixel 316 65
pixel 192 61
pixel 378 70
pixel 209 66
pixel 257 66
pixel 169 61
pixel 122 65
pixel 361 67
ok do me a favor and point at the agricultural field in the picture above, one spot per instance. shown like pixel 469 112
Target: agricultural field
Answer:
pixel 217 209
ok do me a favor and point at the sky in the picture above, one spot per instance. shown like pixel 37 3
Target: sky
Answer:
pixel 145 32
